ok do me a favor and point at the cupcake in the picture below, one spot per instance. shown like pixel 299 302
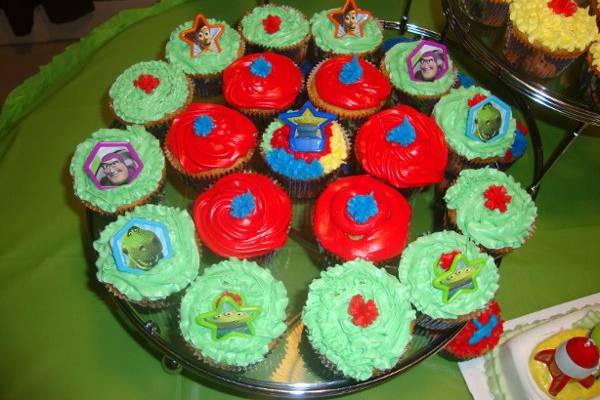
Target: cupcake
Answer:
pixel 487 12
pixel 492 209
pixel 543 37
pixel 243 215
pixel 150 93
pixel 148 255
pixel 345 30
pixel 519 146
pixel 478 126
pixel 207 141
pixel 280 29
pixel 402 147
pixel 358 319
pixel 115 170
pixel 262 84
pixel 348 87
pixel 303 149
pixel 361 217
pixel 590 76
pixel 479 336
pixel 448 278
pixel 203 48
pixel 420 71
pixel 232 315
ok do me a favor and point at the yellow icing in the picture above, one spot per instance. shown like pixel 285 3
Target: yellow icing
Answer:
pixel 539 371
pixel 554 31
pixel 595 52
pixel 339 150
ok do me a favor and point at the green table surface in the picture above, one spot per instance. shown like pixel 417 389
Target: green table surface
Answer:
pixel 60 339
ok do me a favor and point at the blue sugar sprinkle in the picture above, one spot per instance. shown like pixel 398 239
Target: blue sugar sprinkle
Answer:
pixel 203 125
pixel 404 134
pixel 260 67
pixel 519 145
pixel 242 205
pixel 351 72
pixel 362 207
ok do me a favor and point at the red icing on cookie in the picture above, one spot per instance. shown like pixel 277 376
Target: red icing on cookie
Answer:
pixel 381 237
pixel 460 347
pixel 276 91
pixel 232 137
pixel 420 164
pixel 281 140
pixel 370 91
pixel 263 231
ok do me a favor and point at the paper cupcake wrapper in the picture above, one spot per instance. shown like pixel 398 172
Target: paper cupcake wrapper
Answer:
pixel 533 60
pixel 487 12
pixel 440 324
pixel 457 163
pixel 210 85
pixel 153 304
pixel 589 84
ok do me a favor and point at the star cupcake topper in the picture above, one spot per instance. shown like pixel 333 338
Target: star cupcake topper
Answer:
pixel 460 278
pixel 202 36
pixel 349 20
pixel 229 317
pixel 307 126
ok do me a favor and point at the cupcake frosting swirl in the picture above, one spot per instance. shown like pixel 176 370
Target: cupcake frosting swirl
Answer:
pixel 225 137
pixel 417 273
pixel 404 161
pixel 243 215
pixel 506 225
pixel 323 31
pixel 276 88
pixel 355 349
pixel 292 26
pixel 380 234
pixel 137 104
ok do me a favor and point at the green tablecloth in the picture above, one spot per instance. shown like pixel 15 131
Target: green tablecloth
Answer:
pixel 59 338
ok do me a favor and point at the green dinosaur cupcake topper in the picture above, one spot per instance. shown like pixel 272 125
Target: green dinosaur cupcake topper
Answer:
pixel 229 317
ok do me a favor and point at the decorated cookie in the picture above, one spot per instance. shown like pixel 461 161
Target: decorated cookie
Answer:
pixel 449 279
pixel 233 313
pixel 243 215
pixel 149 93
pixel 114 170
pixel 303 147
pixel 348 86
pixel 403 147
pixel 492 209
pixel 361 217
pixel 148 254
pixel 209 140
pixel 346 30
pixel 262 83
pixel 365 305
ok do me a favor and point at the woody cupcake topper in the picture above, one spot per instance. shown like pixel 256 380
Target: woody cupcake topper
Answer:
pixel 349 20
pixel 202 36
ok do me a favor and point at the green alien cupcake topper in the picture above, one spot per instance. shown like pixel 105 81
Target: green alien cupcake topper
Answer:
pixel 229 317
pixel 456 275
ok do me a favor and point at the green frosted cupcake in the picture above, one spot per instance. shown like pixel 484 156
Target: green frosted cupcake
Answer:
pixel 358 318
pixel 204 58
pixel 345 30
pixel 149 93
pixel 492 209
pixel 115 170
pixel 449 279
pixel 232 315
pixel 148 254
pixel 280 29
pixel 479 128
pixel 420 71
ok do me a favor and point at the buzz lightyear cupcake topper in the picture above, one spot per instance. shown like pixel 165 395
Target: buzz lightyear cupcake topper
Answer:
pixel 140 245
pixel 428 62
pixel 307 128
pixel 488 118
pixel 112 164
pixel 349 20
pixel 202 36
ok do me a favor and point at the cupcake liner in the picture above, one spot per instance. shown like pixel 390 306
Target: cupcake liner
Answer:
pixel 329 259
pixel 487 12
pixel 457 163
pixel 535 60
pixel 211 85
pixel 439 324
pixel 590 82
pixel 153 304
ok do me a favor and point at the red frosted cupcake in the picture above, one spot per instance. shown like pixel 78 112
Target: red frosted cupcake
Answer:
pixel 349 87
pixel 262 84
pixel 479 335
pixel 243 215
pixel 403 147
pixel 361 217
pixel 208 140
